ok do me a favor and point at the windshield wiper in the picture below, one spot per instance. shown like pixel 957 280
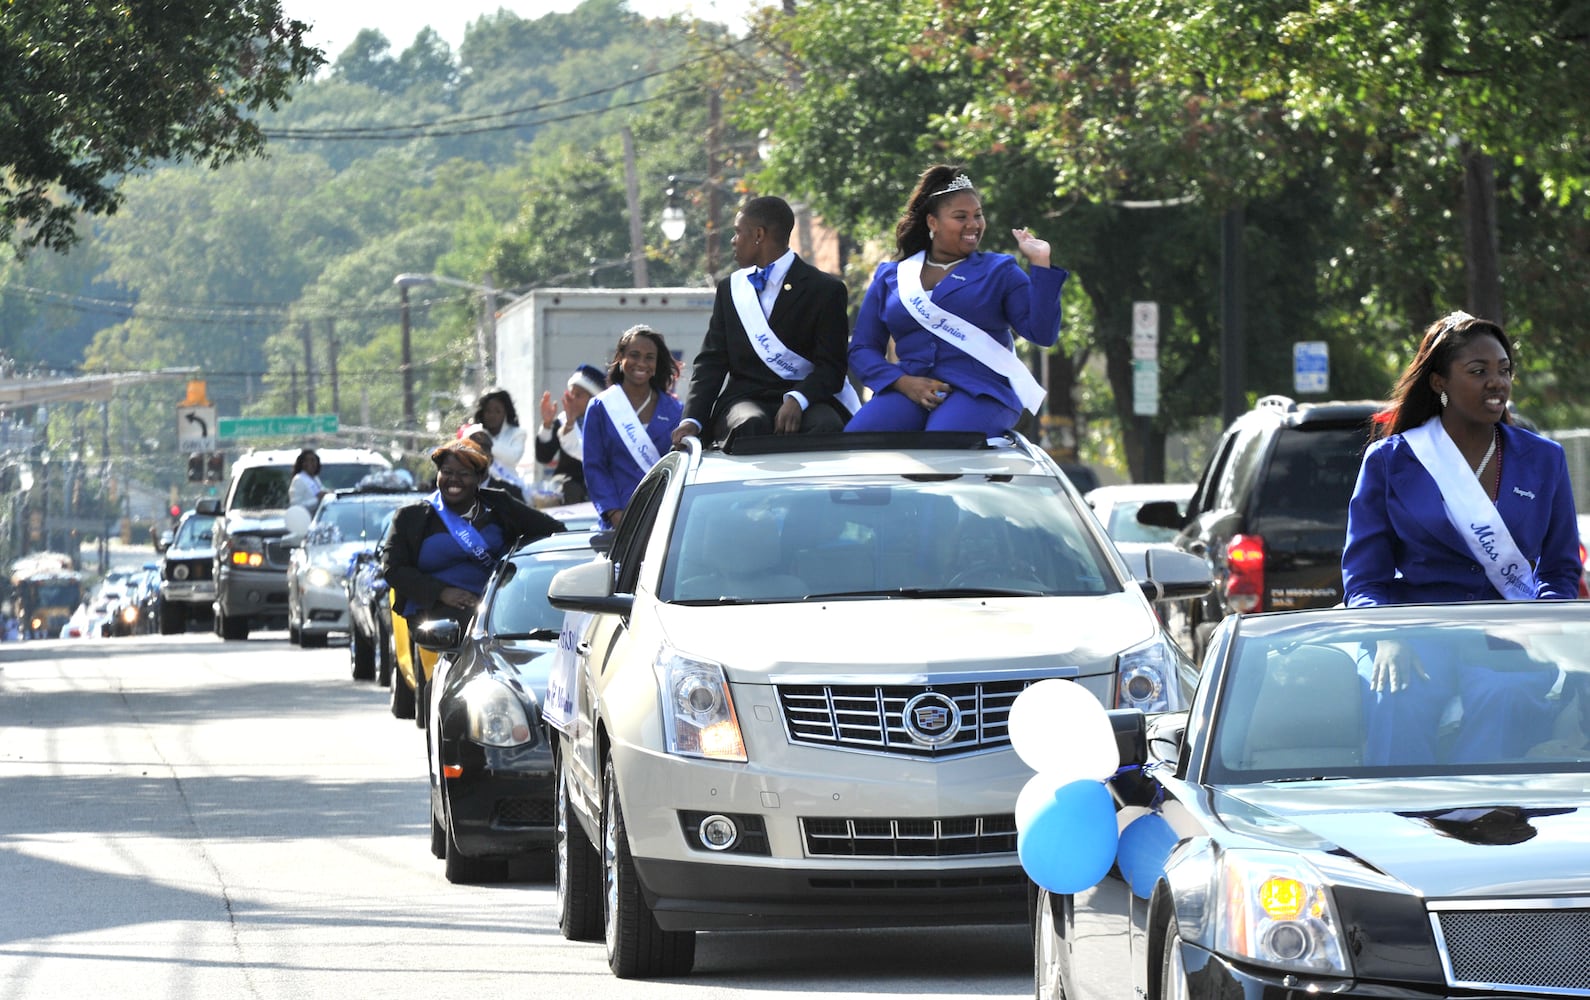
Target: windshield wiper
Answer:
pixel 1307 777
pixel 540 633
pixel 922 592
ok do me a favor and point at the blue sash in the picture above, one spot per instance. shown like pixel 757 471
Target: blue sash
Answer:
pixel 463 532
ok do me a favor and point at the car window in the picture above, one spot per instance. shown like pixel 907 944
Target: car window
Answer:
pixel 1241 466
pixel 519 604
pixel 630 544
pixel 1124 526
pixel 195 532
pixel 263 487
pixel 345 475
pixel 792 540
pixel 1312 473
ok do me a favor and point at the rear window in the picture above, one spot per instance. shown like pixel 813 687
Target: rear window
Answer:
pixel 1311 474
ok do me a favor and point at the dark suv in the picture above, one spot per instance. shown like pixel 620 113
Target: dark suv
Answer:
pixel 1270 512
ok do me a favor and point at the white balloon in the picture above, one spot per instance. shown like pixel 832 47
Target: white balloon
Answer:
pixel 1058 728
pixel 1040 788
pixel 297 520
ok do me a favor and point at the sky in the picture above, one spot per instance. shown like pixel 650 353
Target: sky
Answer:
pixel 336 22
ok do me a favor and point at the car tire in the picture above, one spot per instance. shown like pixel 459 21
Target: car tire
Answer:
pixel 577 872
pixel 1172 972
pixel 438 838
pixel 422 688
pixel 402 700
pixel 361 656
pixel 173 618
pixel 636 947
pixel 1047 946
pixel 461 870
pixel 385 656
pixel 231 627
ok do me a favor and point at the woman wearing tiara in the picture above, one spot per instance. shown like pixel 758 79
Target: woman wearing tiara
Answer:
pixel 629 426
pixel 950 310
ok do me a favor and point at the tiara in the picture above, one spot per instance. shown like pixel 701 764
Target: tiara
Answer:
pixel 960 183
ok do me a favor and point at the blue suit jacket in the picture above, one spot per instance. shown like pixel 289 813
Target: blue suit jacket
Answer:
pixel 988 289
pixel 611 473
pixel 1402 549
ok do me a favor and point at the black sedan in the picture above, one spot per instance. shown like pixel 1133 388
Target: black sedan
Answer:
pixel 369 620
pixel 491 766
pixel 1315 826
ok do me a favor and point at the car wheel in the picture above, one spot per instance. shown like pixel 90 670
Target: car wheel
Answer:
pixel 438 837
pixel 173 618
pixel 577 875
pixel 231 627
pixel 402 700
pixel 636 947
pixel 361 656
pixel 461 870
pixel 422 687
pixel 1046 947
pixel 385 656
pixel 1172 973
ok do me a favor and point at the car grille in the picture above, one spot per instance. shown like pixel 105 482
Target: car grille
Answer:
pixel 941 837
pixel 189 570
pixel 523 812
pixel 1539 949
pixel 871 718
pixel 277 553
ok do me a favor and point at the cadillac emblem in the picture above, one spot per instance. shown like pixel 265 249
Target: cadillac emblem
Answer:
pixel 932 719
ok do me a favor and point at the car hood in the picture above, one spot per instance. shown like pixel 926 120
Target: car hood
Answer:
pixel 526 663
pixel 1445 838
pixel 208 552
pixel 910 637
pixel 339 556
pixel 255 522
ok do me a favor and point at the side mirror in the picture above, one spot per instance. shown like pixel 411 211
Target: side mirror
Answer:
pixel 209 505
pixel 588 587
pixel 1175 574
pixel 1131 735
pixel 440 636
pixel 163 542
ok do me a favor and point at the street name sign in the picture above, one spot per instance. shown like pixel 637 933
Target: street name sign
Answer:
pixel 314 423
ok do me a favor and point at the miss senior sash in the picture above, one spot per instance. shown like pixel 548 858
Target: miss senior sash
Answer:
pixel 463 532
pixel 785 363
pixel 978 343
pixel 630 430
pixel 1471 512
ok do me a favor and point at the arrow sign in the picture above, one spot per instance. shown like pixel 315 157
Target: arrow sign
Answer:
pixel 195 427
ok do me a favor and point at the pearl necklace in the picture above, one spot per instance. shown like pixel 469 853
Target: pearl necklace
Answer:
pixel 930 262
pixel 1479 473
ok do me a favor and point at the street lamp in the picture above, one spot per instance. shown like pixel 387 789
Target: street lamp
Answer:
pixel 404 282
pixel 672 221
pixel 486 330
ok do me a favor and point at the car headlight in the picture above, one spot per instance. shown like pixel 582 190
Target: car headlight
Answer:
pixel 1147 679
pixel 496 715
pixel 319 577
pixel 1274 909
pixel 247 551
pixel 697 709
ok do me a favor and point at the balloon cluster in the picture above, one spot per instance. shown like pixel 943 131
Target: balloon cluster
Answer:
pixel 1068 834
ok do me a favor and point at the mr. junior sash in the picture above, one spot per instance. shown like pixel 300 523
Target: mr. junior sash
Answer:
pixel 783 362
pixel 462 531
pixel 1471 512
pixel 630 430
pixel 978 343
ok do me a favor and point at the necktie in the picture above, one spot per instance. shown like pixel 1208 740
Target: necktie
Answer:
pixel 758 277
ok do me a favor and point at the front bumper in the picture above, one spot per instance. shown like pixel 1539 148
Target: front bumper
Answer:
pixel 1214 977
pixel 502 803
pixel 251 592
pixel 324 609
pixel 188 592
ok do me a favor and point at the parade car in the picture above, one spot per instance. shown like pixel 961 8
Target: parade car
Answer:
pixel 1294 834
pixel 790 698
pixel 490 758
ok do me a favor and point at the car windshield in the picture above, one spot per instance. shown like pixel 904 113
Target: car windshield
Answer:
pixel 1124 526
pixel 264 487
pixel 1311 475
pixel 884 536
pixel 1506 693
pixel 195 532
pixel 354 520
pixel 519 603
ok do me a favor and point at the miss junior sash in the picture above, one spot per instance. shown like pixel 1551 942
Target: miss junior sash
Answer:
pixel 1471 512
pixel 630 430
pixel 463 532
pixel 783 362
pixel 978 343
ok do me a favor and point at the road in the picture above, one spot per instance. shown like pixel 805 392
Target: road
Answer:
pixel 189 818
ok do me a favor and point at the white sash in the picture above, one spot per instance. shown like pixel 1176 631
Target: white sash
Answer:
pixel 1471 512
pixel 630 430
pixel 978 343
pixel 785 363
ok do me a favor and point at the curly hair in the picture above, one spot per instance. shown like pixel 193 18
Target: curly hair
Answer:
pixel 911 232
pixel 1413 400
pixel 667 371
pixel 501 396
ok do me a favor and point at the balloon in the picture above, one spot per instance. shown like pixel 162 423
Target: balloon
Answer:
pixel 1126 814
pixel 1058 727
pixel 1070 842
pixel 1145 846
pixel 296 519
pixel 1035 794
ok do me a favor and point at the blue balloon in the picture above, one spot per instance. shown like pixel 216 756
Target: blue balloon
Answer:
pixel 1069 844
pixel 1146 844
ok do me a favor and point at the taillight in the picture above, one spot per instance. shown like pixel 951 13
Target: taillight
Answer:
pixel 1245 579
pixel 1584 558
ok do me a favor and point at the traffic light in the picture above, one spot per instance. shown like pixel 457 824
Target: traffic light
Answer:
pixel 196 468
pixel 214 466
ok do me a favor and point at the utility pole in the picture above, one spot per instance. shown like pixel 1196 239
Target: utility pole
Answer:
pixel 331 358
pixel 309 367
pixel 714 182
pixel 637 242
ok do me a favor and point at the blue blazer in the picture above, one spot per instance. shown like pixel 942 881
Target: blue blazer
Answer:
pixel 988 289
pixel 1401 549
pixel 611 473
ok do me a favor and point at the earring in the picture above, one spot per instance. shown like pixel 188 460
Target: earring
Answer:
pixel 1443 399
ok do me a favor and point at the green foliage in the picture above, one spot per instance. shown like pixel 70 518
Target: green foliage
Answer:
pixel 91 90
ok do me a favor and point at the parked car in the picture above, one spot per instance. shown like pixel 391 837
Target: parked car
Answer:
pixel 790 696
pixel 1117 507
pixel 1270 512
pixel 490 758
pixel 1271 846
pixel 346 523
pixel 187 573
pixel 251 543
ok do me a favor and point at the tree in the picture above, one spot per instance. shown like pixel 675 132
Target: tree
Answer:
pixel 91 90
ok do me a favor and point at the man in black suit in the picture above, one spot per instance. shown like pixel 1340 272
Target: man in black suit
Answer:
pixel 774 357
